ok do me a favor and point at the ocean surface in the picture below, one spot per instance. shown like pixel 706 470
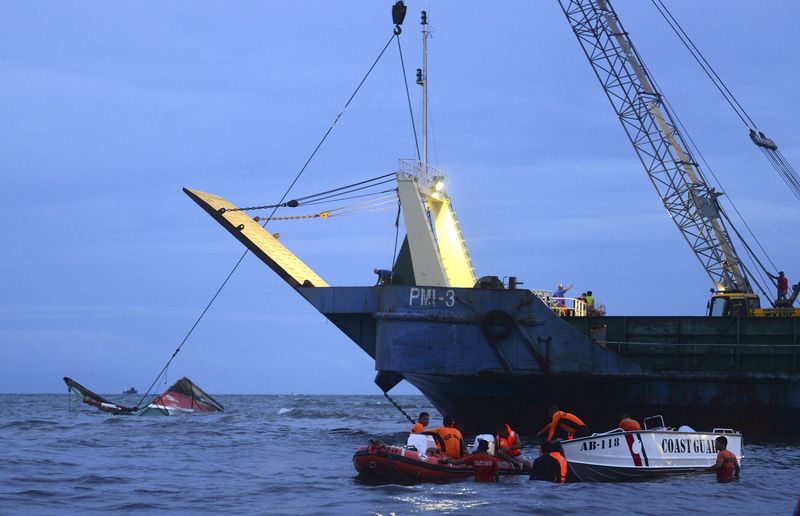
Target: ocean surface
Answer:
pixel 293 455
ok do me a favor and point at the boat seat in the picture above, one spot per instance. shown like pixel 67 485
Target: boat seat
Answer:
pixel 421 442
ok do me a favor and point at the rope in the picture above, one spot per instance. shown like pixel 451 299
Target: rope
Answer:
pixel 398 407
pixel 351 197
pixel 695 148
pixel 771 152
pixel 408 97
pixel 320 215
pixel 315 198
pixel 274 209
pixel 704 64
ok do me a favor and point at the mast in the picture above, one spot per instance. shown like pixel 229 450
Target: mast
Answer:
pixel 422 80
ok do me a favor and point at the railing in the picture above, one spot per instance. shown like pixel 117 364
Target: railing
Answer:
pixel 423 173
pixel 563 306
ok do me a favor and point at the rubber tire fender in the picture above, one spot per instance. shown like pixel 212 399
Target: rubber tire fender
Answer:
pixel 497 325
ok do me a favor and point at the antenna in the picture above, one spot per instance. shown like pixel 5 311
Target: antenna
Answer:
pixel 422 80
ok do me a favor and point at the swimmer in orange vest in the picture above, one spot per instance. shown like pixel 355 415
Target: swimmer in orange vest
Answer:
pixel 629 424
pixel 551 466
pixel 422 422
pixel 727 465
pixel 565 424
pixel 508 445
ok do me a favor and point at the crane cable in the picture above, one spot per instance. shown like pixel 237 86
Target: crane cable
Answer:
pixel 696 149
pixel 768 147
pixel 395 34
pixel 320 197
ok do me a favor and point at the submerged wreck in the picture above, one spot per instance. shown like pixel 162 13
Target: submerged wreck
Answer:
pixel 183 397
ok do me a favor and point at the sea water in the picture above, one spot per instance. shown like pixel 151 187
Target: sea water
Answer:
pixel 293 455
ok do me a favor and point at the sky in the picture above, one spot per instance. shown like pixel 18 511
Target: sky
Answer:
pixel 109 109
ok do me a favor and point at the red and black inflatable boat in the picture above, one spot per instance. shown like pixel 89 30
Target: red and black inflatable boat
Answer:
pixel 406 464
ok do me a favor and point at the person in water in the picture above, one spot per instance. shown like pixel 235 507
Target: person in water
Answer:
pixel 508 444
pixel 727 465
pixel 422 421
pixel 551 466
pixel 563 425
pixel 485 466
pixel 453 440
pixel 629 424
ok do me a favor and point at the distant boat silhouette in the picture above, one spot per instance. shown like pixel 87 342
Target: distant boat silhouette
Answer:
pixel 132 390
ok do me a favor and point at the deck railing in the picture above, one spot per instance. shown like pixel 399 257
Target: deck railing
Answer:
pixel 563 306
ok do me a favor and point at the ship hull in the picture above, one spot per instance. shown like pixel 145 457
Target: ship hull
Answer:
pixel 702 403
pixel 490 356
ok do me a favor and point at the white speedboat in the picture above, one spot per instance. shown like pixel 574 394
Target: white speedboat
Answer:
pixel 655 451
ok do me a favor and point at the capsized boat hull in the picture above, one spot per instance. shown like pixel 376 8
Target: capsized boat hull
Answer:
pixel 183 397
pixel 630 456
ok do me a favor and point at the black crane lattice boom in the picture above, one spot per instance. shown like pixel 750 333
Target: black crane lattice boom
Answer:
pixel 691 203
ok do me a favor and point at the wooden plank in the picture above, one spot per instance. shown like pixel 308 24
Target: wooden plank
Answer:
pixel 258 240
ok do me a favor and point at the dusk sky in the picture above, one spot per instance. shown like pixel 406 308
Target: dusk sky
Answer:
pixel 109 109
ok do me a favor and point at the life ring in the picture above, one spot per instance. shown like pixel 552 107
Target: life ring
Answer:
pixel 497 325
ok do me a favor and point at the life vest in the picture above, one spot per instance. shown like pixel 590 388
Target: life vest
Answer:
pixel 511 440
pixel 727 466
pixel 562 462
pixel 417 428
pixel 569 423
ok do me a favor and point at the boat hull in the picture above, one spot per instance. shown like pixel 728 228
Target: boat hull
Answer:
pixel 402 464
pixel 629 456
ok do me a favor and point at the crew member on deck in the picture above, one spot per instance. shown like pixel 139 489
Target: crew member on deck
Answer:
pixel 629 424
pixel 508 444
pixel 422 422
pixel 551 466
pixel 727 464
pixel 563 425
pixel 453 440
pixel 782 283
pixel 485 466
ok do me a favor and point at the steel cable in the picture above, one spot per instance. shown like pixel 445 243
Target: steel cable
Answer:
pixel 283 198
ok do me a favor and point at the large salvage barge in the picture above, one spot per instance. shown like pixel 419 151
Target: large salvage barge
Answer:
pixel 486 351
pixel 491 352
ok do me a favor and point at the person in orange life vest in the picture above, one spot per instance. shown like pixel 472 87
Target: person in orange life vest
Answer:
pixel 727 465
pixel 551 466
pixel 629 424
pixel 422 422
pixel 564 424
pixel 507 444
pixel 485 466
pixel 453 441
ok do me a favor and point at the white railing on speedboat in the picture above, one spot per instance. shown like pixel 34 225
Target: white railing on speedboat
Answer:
pixel 563 306
pixel 423 172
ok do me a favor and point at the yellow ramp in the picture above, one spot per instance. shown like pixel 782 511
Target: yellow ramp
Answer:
pixel 257 239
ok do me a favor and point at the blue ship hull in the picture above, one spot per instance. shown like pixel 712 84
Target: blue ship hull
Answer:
pixel 486 356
